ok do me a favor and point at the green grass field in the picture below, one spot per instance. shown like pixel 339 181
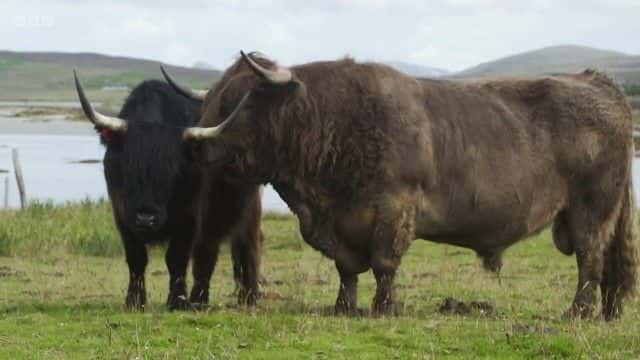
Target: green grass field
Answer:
pixel 63 279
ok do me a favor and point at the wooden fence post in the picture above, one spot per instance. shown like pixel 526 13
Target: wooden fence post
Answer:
pixel 6 192
pixel 17 169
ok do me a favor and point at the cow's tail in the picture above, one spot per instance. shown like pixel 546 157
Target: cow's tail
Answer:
pixel 624 254
pixel 620 258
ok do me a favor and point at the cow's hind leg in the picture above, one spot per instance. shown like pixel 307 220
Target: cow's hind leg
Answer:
pixel 590 232
pixel 611 291
pixel 589 256
pixel 492 259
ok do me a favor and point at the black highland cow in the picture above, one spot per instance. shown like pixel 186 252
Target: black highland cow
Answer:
pixel 158 194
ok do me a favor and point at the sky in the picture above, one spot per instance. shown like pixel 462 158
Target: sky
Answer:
pixel 449 34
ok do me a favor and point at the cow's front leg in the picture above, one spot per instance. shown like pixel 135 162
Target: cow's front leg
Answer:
pixel 589 239
pixel 384 299
pixel 392 235
pixel 177 259
pixel 205 257
pixel 349 264
pixel 347 301
pixel 246 250
pixel 136 255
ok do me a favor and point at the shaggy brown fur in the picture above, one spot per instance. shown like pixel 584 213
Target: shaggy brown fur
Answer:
pixel 370 159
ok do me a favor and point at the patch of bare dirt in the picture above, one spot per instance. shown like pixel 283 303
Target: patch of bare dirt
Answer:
pixel 405 286
pixel 527 329
pixel 424 275
pixel 319 281
pixel 457 307
pixel 272 295
pixel 56 274
pixel 159 272
pixel 6 271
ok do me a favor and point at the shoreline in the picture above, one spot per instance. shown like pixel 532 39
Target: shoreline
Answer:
pixel 48 126
pixel 42 118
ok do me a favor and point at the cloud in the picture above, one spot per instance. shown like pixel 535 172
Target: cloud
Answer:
pixel 452 34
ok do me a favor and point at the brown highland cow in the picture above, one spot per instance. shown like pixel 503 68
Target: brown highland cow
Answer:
pixel 370 159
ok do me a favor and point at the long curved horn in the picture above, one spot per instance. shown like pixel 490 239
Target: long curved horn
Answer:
pixel 202 133
pixel 99 120
pixel 197 95
pixel 279 76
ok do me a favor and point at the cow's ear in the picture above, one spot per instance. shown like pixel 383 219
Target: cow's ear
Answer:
pixel 105 134
pixel 109 138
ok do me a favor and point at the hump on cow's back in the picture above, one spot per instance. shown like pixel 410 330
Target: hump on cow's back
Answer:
pixel 155 101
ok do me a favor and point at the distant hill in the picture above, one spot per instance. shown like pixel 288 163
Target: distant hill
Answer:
pixel 417 70
pixel 202 65
pixel 48 75
pixel 560 59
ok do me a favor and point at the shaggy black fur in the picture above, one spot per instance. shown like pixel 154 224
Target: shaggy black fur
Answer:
pixel 149 173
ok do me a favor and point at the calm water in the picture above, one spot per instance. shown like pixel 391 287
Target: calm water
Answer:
pixel 51 174
pixel 48 161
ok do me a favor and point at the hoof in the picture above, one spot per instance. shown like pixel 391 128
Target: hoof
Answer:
pixel 201 298
pixel 612 307
pixel 135 301
pixel 342 309
pixel 179 302
pixel 614 313
pixel 384 309
pixel 247 298
pixel 577 311
pixel 202 307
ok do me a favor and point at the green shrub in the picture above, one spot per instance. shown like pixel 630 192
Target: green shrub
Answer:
pixel 631 89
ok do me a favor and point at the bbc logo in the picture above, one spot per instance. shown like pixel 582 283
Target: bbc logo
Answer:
pixel 34 21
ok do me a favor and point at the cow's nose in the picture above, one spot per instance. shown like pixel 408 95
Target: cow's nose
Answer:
pixel 145 220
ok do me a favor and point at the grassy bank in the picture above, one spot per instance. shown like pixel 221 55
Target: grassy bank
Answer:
pixel 44 229
pixel 63 278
